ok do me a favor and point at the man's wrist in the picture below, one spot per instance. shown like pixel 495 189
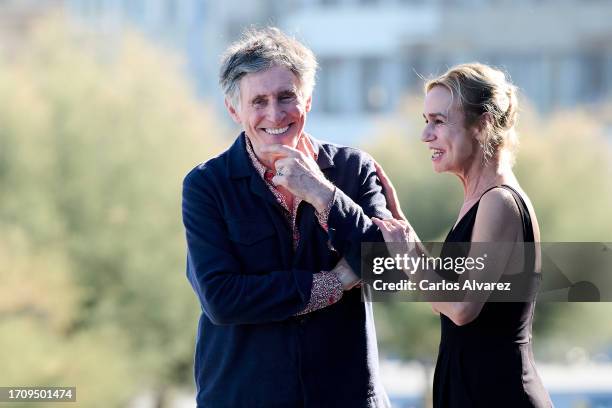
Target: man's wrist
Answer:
pixel 324 196
pixel 347 278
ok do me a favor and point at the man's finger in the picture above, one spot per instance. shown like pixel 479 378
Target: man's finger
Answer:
pixel 280 150
pixel 278 180
pixel 284 162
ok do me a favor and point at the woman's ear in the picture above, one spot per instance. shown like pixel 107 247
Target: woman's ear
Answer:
pixel 483 127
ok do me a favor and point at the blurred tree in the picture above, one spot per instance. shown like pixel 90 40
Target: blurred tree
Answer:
pixel 94 142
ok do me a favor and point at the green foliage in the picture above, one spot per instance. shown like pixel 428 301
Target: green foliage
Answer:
pixel 95 142
pixel 408 330
pixel 565 165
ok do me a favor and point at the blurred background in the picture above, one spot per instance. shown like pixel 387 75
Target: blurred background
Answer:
pixel 105 105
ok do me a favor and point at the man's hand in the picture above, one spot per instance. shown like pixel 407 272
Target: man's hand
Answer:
pixel 346 275
pixel 301 175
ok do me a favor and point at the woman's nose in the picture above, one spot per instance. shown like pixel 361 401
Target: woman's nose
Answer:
pixel 427 135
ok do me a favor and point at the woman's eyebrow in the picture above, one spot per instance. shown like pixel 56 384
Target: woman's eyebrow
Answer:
pixel 434 114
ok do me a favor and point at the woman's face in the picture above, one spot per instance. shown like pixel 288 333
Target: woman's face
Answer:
pixel 453 147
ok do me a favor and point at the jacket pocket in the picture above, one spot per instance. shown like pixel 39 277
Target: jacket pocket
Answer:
pixel 249 232
pixel 255 245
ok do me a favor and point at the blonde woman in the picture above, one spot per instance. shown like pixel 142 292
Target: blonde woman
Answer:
pixel 485 357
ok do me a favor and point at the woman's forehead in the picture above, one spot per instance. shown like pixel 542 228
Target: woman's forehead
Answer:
pixel 439 100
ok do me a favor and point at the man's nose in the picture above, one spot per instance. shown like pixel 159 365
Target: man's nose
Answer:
pixel 276 113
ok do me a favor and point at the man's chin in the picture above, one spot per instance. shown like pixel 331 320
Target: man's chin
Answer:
pixel 286 140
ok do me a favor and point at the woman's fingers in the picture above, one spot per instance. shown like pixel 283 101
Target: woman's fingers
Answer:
pixel 380 224
pixel 400 224
pixel 384 228
pixel 382 176
pixel 391 229
pixel 386 183
pixel 390 193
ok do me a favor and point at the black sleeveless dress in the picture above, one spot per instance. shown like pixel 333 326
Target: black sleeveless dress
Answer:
pixel 489 362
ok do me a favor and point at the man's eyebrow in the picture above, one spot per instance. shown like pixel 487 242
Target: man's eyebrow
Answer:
pixel 287 92
pixel 259 98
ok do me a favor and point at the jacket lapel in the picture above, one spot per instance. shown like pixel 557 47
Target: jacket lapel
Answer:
pixel 239 167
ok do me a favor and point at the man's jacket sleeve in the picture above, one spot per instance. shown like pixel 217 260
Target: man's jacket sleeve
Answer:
pixel 349 220
pixel 228 293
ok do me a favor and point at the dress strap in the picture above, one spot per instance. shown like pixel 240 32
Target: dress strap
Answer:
pixel 529 263
pixel 528 235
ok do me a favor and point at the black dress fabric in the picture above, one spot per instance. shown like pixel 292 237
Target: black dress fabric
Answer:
pixel 489 361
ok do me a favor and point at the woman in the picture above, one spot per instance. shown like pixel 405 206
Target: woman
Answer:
pixel 485 357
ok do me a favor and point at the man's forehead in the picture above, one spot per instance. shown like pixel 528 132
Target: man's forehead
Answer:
pixel 269 82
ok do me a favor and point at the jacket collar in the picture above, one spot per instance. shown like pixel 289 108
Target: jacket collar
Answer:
pixel 324 159
pixel 238 162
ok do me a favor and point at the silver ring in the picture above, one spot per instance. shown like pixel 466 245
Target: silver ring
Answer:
pixel 279 172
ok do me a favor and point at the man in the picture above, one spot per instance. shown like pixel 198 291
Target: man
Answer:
pixel 269 223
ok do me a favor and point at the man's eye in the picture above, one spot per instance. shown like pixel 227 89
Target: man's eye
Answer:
pixel 438 122
pixel 286 98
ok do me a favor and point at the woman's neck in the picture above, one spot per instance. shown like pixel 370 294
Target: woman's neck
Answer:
pixel 478 177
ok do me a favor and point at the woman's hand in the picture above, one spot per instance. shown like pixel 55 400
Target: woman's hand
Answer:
pixel 390 194
pixel 345 274
pixel 394 230
pixel 399 236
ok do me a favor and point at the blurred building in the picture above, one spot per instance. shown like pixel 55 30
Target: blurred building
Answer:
pixel 199 30
pixel 16 18
pixel 173 24
pixel 372 52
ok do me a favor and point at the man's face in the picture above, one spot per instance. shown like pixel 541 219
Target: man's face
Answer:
pixel 272 109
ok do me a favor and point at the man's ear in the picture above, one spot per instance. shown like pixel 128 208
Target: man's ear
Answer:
pixel 309 103
pixel 232 111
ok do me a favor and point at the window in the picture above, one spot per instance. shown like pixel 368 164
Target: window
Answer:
pixel 329 86
pixel 374 95
pixel 170 10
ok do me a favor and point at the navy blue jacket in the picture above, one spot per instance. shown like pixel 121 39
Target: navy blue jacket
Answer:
pixel 251 350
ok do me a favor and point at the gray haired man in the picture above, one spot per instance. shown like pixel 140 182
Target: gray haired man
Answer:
pixel 274 226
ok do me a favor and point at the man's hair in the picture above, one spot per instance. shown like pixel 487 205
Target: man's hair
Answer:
pixel 260 49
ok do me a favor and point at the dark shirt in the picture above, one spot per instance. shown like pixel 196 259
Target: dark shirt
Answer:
pixel 251 349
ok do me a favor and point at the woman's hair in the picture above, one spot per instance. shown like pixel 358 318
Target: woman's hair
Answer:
pixel 481 89
pixel 260 49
